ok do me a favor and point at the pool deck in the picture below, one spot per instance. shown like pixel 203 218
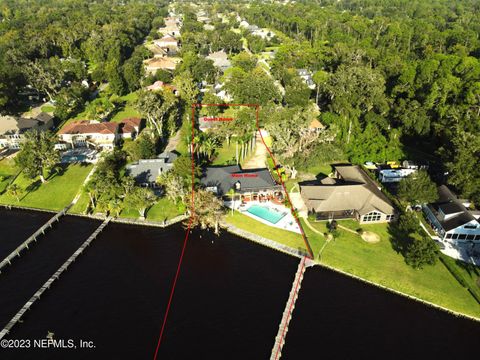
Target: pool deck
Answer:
pixel 285 223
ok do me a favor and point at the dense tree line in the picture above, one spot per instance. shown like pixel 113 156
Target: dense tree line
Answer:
pixel 390 76
pixel 54 45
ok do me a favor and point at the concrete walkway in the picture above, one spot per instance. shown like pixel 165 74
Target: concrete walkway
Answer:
pixel 259 158
pixel 173 142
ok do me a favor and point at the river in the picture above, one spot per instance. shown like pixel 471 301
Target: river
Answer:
pixel 227 305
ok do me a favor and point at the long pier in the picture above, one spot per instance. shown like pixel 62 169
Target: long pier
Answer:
pixel 49 282
pixel 287 313
pixel 26 243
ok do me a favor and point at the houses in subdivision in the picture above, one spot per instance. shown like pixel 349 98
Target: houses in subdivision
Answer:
pixel 220 60
pixel 13 128
pixel 306 75
pixel 160 63
pixel 160 85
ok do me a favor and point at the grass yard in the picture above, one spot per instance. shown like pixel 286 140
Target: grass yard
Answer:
pixel 48 108
pixel 379 263
pixel 164 209
pixel 127 110
pixel 81 206
pixel 246 223
pixel 7 171
pixel 57 193
pixel 226 155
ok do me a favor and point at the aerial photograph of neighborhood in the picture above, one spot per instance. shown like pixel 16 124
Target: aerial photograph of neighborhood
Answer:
pixel 233 179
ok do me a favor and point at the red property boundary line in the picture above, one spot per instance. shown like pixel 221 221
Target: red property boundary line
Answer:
pixel 192 208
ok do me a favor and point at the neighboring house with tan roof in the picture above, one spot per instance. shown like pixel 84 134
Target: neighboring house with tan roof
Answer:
pixel 351 193
pixel 12 128
pixel 168 43
pixel 86 133
pixel 220 60
pixel 172 26
pixel 157 63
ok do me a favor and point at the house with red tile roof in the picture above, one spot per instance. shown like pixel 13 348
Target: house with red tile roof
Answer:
pixel 129 128
pixel 85 133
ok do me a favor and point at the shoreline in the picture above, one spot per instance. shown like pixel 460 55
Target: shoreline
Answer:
pixel 271 244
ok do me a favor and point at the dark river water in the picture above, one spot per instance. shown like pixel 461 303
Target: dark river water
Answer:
pixel 228 302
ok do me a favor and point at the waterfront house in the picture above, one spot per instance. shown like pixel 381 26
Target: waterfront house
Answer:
pixel 249 185
pixel 350 193
pixel 146 171
pixel 451 220
pixel 12 128
pixel 85 133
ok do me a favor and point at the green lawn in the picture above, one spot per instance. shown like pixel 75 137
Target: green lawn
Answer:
pixel 162 210
pixel 7 171
pixel 128 110
pixel 81 206
pixel 226 155
pixel 57 193
pixel 244 222
pixel 47 108
pixel 379 263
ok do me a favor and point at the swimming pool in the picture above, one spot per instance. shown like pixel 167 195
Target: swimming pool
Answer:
pixel 73 158
pixel 266 213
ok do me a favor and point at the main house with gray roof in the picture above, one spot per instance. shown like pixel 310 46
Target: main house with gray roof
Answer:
pixel 351 193
pixel 146 171
pixel 251 184
pixel 451 220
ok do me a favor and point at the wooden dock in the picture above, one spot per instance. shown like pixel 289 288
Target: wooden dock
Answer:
pixel 49 282
pixel 26 243
pixel 287 313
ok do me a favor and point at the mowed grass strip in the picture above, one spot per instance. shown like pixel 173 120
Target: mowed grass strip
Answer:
pixel 164 209
pixel 55 194
pixel 381 264
pixel 7 171
pixel 246 223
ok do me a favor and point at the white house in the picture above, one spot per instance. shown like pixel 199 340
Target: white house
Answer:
pixel 451 220
pixel 307 77
pixel 86 133
pixel 12 129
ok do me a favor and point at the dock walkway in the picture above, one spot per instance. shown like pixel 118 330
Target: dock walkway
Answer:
pixel 26 243
pixel 287 313
pixel 49 282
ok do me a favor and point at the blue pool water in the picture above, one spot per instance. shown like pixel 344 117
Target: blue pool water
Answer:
pixel 73 158
pixel 266 213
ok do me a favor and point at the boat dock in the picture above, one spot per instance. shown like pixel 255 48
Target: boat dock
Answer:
pixel 287 313
pixel 26 243
pixel 49 282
